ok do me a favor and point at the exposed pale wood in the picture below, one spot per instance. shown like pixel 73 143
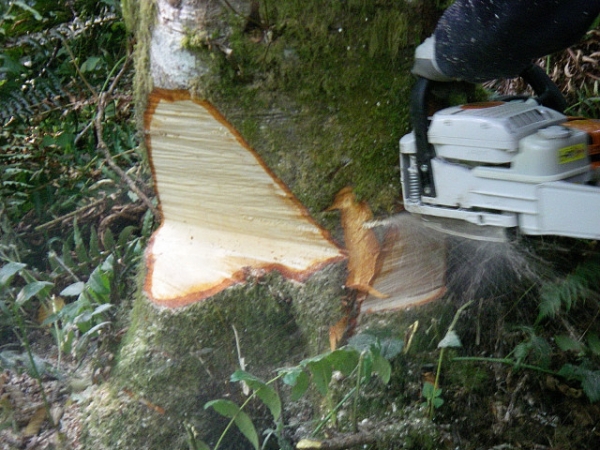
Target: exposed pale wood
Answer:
pixel 224 214
pixel 361 242
pixel 413 267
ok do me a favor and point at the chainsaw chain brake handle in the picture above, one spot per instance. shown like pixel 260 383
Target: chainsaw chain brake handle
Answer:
pixel 427 95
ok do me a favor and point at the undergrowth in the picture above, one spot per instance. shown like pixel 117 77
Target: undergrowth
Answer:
pixel 72 228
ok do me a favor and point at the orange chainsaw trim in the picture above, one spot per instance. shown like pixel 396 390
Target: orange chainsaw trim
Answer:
pixel 592 128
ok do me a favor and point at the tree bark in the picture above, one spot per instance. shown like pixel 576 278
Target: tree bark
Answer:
pixel 318 92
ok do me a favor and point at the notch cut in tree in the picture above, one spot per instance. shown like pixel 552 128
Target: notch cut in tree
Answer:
pixel 413 265
pixel 225 215
pixel 405 266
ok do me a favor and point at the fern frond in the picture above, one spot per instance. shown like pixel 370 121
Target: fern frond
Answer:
pixel 575 288
pixel 39 87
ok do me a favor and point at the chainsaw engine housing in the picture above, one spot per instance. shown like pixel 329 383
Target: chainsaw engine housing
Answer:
pixel 505 164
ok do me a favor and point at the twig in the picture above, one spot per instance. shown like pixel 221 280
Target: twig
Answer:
pixel 342 442
pixel 508 362
pixel 77 69
pixel 101 145
pixel 241 360
pixel 70 215
pixel 338 443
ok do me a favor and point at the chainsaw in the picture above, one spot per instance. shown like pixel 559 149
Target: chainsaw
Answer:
pixel 481 169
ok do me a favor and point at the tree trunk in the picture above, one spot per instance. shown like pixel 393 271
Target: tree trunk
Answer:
pixel 310 97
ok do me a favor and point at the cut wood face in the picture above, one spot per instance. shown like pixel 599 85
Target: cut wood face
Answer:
pixel 413 265
pixel 408 268
pixel 361 243
pixel 224 214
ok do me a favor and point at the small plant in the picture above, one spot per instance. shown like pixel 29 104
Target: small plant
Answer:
pixel 432 391
pixel 366 355
pixel 580 285
pixel 12 301
pixel 433 397
pixel 534 354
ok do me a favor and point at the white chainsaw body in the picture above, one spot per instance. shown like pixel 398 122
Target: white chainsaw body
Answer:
pixel 513 164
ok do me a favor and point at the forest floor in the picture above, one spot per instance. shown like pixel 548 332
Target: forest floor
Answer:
pixel 488 401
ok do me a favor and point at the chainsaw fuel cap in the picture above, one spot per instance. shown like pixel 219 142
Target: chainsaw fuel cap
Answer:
pixel 554 132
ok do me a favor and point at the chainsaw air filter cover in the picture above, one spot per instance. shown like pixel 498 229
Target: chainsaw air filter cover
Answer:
pixel 487 133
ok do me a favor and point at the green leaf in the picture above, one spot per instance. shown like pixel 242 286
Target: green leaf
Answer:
pixel 79 245
pixel 363 342
pixel 382 368
pixel 450 340
pixel 391 347
pixel 66 255
pixel 65 141
pixel 344 359
pixel 10 65
pixel 298 379
pixel 366 369
pixel 591 385
pixel 271 399
pixel 201 445
pixel 590 379
pixel 549 305
pixel 73 290
pixel 36 15
pixel 594 343
pixel 90 64
pixel 301 386
pixel 8 271
pixel 125 235
pixel 99 284
pixel 230 410
pixel 429 392
pixel 94 244
pixel 262 390
pixel 321 372
pixel 96 328
pixel 252 380
pixel 437 402
pixel 568 344
pixel 521 351
pixel 387 346
pixel 147 224
pixel 290 376
pixel 100 309
pixel 29 291
pixel 109 240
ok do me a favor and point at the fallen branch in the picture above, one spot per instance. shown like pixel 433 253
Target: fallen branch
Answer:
pixel 72 214
pixel 364 437
pixel 103 148
pixel 339 442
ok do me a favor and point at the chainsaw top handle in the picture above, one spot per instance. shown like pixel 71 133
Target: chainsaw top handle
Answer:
pixel 426 93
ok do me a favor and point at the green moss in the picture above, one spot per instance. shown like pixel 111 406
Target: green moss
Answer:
pixel 471 377
pixel 177 360
pixel 323 97
pixel 140 17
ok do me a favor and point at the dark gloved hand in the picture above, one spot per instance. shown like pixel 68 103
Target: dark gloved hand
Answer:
pixel 425 64
pixel 479 40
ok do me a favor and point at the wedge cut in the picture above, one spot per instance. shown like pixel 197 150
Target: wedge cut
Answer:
pixel 225 215
pixel 413 263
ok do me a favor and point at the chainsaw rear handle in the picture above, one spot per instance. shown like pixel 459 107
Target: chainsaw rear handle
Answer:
pixel 422 95
pixel 547 93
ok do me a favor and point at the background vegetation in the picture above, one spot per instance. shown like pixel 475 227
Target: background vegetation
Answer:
pixel 75 215
pixel 72 226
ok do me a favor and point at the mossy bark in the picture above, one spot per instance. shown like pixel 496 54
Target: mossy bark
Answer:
pixel 171 362
pixel 320 90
